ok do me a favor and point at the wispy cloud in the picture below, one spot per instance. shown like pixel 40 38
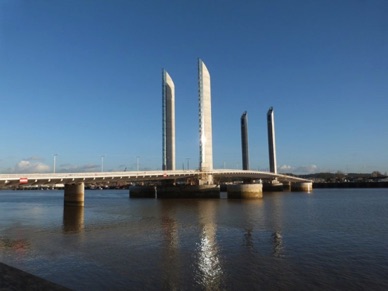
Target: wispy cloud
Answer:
pixel 69 168
pixel 309 169
pixel 34 158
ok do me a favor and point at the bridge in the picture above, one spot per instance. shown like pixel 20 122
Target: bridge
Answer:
pixel 250 183
pixel 106 178
pixel 172 182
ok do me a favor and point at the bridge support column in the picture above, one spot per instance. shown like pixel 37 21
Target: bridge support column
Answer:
pixel 302 186
pixel 74 194
pixel 273 186
pixel 206 179
pixel 245 191
pixel 287 186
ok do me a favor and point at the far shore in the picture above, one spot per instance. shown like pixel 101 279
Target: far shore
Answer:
pixel 318 185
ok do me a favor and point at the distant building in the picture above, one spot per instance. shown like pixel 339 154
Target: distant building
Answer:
pixel 168 101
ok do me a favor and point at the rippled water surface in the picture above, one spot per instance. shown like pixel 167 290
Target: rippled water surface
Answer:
pixel 328 239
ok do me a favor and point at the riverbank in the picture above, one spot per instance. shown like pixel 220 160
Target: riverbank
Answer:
pixel 351 185
pixel 15 279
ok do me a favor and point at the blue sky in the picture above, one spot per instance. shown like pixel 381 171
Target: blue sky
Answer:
pixel 82 79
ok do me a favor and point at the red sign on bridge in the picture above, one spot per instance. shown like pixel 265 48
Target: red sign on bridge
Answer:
pixel 23 180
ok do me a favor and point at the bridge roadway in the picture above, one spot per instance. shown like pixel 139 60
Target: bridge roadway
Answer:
pixel 15 180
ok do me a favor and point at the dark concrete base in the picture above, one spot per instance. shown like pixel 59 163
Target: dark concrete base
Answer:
pixel 188 191
pixel 302 186
pixel 142 192
pixel 273 186
pixel 245 191
pixel 15 279
pixel 286 186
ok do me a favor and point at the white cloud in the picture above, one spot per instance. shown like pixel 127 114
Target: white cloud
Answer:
pixel 285 168
pixel 31 166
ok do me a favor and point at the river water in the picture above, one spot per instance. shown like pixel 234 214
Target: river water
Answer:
pixel 327 239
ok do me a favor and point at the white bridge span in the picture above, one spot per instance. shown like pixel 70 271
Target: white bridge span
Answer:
pixel 15 180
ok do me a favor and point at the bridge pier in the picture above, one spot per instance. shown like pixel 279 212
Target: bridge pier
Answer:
pixel 302 186
pixel 74 194
pixel 273 186
pixel 245 191
pixel 287 186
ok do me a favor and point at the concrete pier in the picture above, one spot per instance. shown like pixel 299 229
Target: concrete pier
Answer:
pixel 273 186
pixel 286 186
pixel 142 192
pixel 74 194
pixel 302 186
pixel 188 191
pixel 245 191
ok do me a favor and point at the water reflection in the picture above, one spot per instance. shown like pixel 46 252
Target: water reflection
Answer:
pixel 190 225
pixel 73 219
pixel 248 238
pixel 274 215
pixel 250 218
pixel 277 241
pixel 171 250
pixel 19 246
pixel 199 244
pixel 209 271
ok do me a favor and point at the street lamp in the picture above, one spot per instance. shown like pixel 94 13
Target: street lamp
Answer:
pixel 55 160
pixel 188 163
pixel 102 163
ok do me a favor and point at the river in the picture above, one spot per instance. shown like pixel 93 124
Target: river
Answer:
pixel 327 239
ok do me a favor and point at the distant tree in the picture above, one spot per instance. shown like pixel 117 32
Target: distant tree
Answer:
pixel 340 176
pixel 376 174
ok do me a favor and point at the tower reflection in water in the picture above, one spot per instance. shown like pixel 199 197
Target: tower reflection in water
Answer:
pixel 209 272
pixel 204 262
pixel 274 220
pixel 171 251
pixel 73 218
pixel 257 218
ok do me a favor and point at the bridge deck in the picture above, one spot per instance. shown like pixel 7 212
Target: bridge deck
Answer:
pixel 12 180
